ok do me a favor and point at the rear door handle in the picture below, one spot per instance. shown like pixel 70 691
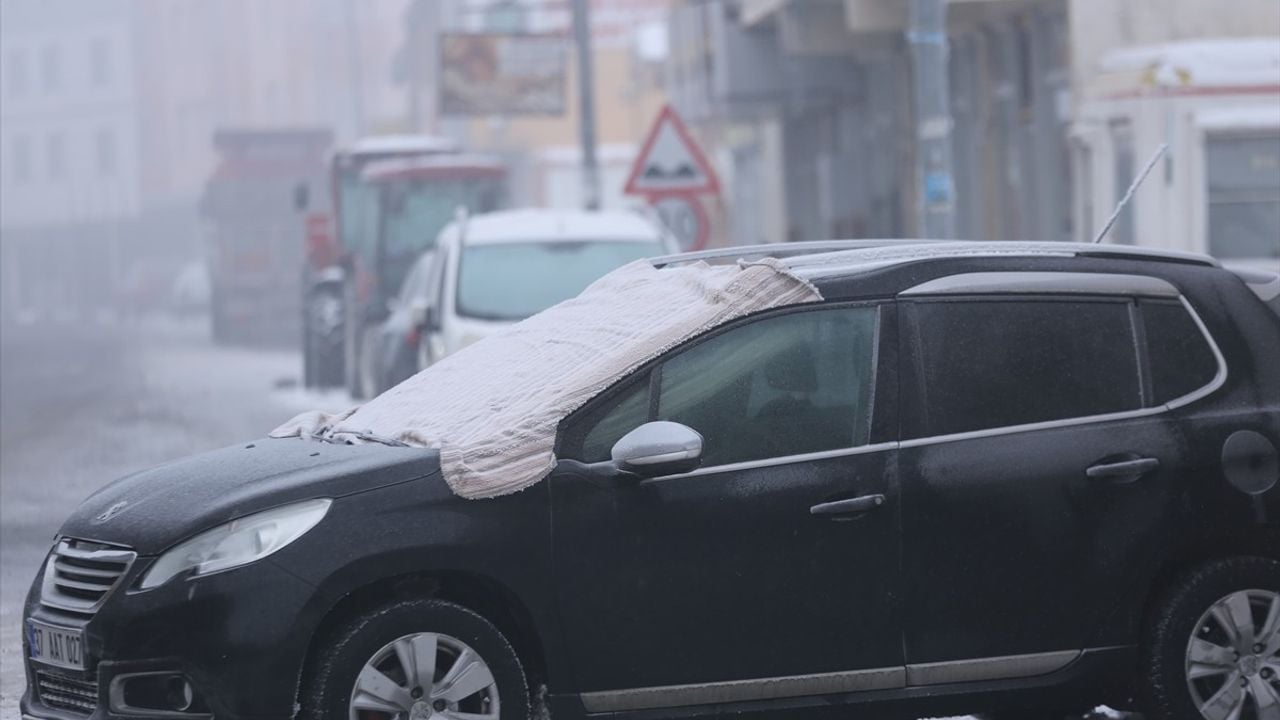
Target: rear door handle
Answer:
pixel 1123 469
pixel 850 506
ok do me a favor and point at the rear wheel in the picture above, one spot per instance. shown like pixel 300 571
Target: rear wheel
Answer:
pixel 414 660
pixel 1212 650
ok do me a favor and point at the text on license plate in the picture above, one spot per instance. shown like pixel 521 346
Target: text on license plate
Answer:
pixel 56 646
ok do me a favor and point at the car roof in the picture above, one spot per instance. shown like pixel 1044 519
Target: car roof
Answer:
pixel 842 258
pixel 439 166
pixel 862 268
pixel 397 144
pixel 508 226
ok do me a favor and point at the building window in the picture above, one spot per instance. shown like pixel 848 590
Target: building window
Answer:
pixel 21 159
pixel 105 149
pixel 51 68
pixel 55 152
pixel 1243 188
pixel 100 62
pixel 16 67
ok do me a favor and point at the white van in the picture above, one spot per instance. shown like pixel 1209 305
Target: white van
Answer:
pixel 489 271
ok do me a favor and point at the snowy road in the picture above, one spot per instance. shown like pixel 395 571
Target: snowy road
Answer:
pixel 84 405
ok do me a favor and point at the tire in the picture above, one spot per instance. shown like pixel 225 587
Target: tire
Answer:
pixel 324 340
pixel 1250 586
pixel 331 679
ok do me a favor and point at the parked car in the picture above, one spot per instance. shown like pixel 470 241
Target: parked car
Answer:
pixel 488 271
pixel 942 478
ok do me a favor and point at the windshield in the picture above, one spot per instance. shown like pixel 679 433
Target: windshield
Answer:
pixel 416 212
pixel 512 281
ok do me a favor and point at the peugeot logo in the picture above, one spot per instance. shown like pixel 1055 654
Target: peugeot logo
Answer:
pixel 110 512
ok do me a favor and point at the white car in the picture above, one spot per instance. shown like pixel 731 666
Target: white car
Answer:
pixel 492 270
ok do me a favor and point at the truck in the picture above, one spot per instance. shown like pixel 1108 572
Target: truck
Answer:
pixel 390 196
pixel 250 237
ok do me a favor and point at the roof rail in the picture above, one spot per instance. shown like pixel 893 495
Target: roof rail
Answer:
pixel 782 249
pixel 940 249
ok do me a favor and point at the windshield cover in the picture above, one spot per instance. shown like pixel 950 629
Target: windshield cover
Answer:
pixel 492 408
pixel 511 281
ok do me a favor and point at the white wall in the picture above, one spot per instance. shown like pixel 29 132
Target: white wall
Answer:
pixel 68 125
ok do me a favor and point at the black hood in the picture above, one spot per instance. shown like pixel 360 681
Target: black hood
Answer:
pixel 154 509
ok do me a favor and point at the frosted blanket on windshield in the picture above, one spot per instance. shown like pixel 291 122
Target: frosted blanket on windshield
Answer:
pixel 492 409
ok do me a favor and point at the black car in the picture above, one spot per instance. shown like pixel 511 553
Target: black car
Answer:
pixel 980 477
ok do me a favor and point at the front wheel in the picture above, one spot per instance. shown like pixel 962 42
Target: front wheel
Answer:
pixel 324 339
pixel 1212 650
pixel 413 660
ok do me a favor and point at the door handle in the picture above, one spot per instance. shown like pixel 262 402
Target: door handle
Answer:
pixel 849 506
pixel 1123 469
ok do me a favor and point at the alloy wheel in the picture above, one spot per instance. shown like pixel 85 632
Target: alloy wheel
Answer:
pixel 425 676
pixel 1233 658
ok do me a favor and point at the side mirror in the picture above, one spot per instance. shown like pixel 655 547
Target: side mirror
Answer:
pixel 423 315
pixel 658 448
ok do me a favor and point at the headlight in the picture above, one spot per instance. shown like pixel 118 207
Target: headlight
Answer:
pixel 237 543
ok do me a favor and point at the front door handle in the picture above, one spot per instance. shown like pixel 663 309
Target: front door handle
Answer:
pixel 850 506
pixel 1122 469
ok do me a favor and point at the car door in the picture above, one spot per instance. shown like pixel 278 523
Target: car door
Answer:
pixel 1037 474
pixel 741 577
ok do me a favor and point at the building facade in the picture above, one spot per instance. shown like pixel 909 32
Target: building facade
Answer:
pixel 71 178
pixel 108 111
pixel 819 94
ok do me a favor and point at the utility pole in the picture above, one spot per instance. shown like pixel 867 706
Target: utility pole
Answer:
pixel 355 72
pixel 586 105
pixel 927 38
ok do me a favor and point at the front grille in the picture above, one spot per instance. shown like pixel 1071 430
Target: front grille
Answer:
pixel 80 575
pixel 66 693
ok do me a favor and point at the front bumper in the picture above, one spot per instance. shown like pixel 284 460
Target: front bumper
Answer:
pixel 239 638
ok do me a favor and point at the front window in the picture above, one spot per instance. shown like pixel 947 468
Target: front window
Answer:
pixel 511 281
pixel 786 385
pixel 418 284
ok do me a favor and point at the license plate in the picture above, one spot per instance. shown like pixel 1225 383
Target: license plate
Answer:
pixel 56 646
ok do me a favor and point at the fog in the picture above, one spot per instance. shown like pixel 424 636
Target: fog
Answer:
pixel 207 207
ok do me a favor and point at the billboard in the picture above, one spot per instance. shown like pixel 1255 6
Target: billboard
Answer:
pixel 502 74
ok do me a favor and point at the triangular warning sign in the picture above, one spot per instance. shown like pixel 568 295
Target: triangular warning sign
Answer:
pixel 671 162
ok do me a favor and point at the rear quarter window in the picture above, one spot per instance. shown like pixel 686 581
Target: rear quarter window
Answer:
pixel 1180 357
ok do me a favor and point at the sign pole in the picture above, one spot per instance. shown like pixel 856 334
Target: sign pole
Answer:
pixel 586 105
pixel 927 39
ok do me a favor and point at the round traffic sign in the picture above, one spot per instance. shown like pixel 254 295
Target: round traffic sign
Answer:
pixel 684 217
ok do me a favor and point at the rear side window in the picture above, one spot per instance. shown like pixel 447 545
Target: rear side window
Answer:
pixel 1180 357
pixel 997 363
